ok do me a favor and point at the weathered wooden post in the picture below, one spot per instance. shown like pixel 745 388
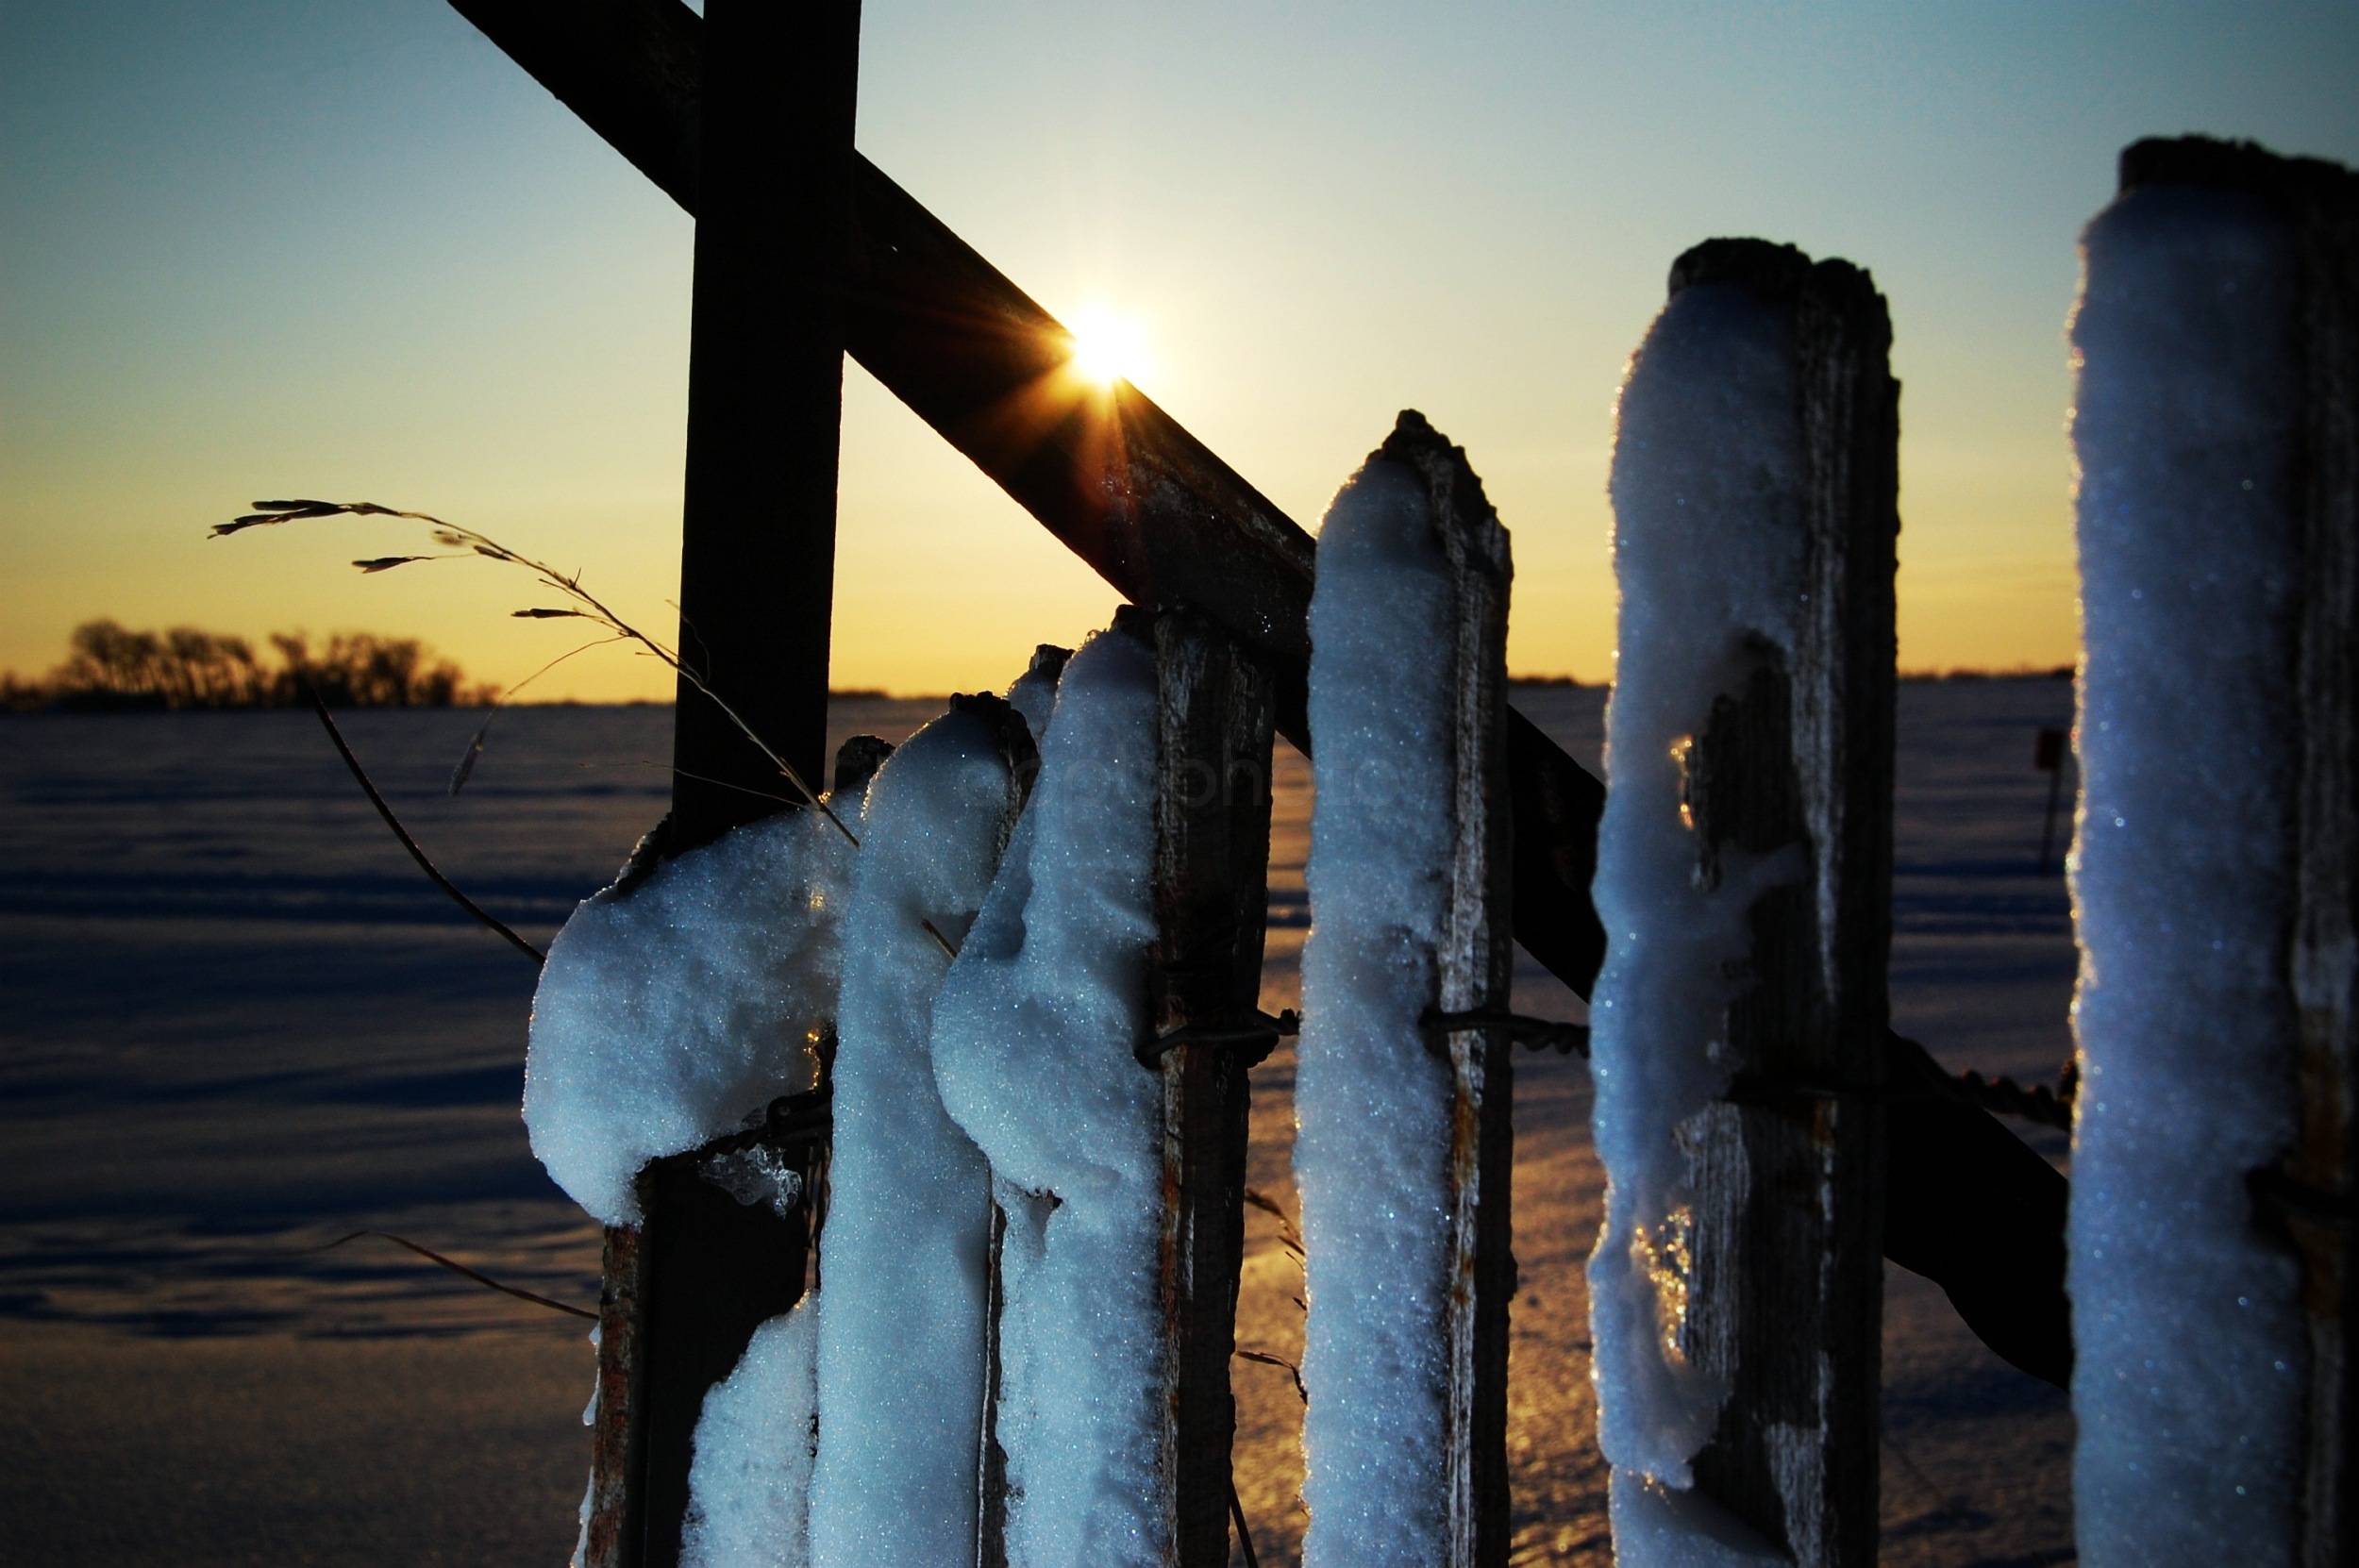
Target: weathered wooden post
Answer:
pixel 1785 1291
pixel 1789 1264
pixel 1476 964
pixel 2324 1165
pixel 1212 896
pixel 757 575
pixel 1402 1092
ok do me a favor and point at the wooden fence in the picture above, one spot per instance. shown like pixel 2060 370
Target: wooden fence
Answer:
pixel 1797 1199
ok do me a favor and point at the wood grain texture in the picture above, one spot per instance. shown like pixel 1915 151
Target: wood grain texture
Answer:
pixel 610 1535
pixel 1210 890
pixel 1786 1295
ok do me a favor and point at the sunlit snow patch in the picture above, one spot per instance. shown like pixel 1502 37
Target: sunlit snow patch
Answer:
pixel 1034 1044
pixel 1372 1102
pixel 672 1009
pixel 902 1336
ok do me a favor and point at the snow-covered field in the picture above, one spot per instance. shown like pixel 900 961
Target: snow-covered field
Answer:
pixel 235 1024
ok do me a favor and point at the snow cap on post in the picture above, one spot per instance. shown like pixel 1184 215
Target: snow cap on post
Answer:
pixel 683 999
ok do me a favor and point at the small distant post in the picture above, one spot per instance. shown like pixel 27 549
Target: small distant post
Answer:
pixel 2048 756
pixel 1786 1298
pixel 1215 718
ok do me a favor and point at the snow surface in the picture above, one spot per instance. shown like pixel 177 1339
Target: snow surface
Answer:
pixel 1707 553
pixel 2189 1379
pixel 749 1475
pixel 1033 1041
pixel 1654 1524
pixel 901 1339
pixel 669 1012
pixel 176 1000
pixel 1372 1100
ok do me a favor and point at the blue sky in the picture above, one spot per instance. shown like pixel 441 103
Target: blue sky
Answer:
pixel 253 248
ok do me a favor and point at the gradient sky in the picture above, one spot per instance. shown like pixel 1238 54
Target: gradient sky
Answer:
pixel 258 249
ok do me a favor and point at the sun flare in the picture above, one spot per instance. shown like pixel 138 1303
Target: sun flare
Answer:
pixel 1108 346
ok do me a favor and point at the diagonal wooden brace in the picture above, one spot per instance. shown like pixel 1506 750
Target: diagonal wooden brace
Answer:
pixel 1119 481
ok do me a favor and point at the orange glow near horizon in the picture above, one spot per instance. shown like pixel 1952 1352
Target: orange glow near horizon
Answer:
pixel 1193 204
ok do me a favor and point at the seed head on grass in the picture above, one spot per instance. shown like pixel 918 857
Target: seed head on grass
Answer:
pixel 586 607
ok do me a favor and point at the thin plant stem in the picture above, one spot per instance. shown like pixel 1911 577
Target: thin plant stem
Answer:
pixel 369 788
pixel 459 775
pixel 1245 1531
pixel 484 1279
pixel 268 514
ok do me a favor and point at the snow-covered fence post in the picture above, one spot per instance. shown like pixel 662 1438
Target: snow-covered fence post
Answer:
pixel 903 1332
pixel 757 576
pixel 1788 1296
pixel 1478 960
pixel 1214 720
pixel 1403 1091
pixel 1745 877
pixel 595 1122
pixel 2217 429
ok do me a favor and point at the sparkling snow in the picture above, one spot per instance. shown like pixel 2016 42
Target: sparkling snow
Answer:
pixel 749 1473
pixel 669 1012
pixel 1706 488
pixel 2192 1348
pixel 901 1340
pixel 1372 1100
pixel 1033 1043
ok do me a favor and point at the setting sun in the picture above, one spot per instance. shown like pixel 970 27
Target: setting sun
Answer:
pixel 1108 346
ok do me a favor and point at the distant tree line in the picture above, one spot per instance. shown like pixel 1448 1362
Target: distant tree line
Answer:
pixel 109 667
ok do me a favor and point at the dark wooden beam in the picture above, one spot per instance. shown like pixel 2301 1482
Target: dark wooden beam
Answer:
pixel 765 396
pixel 777 88
pixel 1119 481
pixel 1212 906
